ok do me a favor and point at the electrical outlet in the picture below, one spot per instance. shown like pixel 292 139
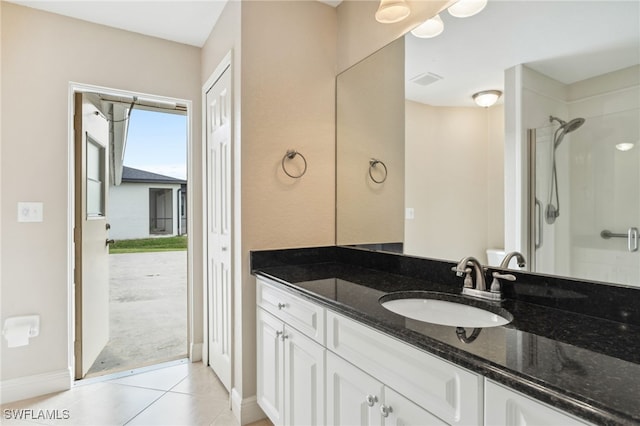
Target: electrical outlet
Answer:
pixel 30 212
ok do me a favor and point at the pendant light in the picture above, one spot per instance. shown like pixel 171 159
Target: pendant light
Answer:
pixel 429 28
pixel 391 11
pixel 466 8
pixel 486 98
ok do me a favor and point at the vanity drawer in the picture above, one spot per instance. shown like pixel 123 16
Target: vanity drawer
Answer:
pixel 450 392
pixel 306 317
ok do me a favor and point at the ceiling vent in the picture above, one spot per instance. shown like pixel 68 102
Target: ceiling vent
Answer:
pixel 426 78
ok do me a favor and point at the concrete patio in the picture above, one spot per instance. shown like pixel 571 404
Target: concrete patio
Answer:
pixel 148 311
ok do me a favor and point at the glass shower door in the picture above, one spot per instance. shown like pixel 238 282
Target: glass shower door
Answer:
pixel 596 234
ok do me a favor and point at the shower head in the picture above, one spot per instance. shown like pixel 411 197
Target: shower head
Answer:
pixel 565 127
pixel 573 125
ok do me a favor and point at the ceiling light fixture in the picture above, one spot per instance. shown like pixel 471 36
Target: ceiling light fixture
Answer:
pixel 466 8
pixel 430 28
pixel 487 98
pixel 391 11
pixel 625 146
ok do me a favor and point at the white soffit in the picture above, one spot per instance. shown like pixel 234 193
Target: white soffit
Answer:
pixel 182 21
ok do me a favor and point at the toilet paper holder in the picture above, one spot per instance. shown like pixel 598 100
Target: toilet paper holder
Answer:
pixel 18 330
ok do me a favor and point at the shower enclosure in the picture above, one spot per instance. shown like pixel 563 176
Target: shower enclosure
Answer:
pixel 591 167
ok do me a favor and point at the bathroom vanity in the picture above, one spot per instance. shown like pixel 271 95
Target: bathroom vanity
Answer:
pixel 328 352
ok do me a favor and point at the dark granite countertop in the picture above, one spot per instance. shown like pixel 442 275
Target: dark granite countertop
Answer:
pixel 584 364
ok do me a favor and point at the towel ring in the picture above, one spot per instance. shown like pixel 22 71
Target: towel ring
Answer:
pixel 372 164
pixel 290 155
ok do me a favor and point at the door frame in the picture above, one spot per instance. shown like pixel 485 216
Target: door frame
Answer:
pixel 74 88
pixel 236 258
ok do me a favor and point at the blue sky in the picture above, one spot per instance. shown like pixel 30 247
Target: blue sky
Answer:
pixel 157 142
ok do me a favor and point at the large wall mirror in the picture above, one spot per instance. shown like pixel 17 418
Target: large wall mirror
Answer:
pixel 424 171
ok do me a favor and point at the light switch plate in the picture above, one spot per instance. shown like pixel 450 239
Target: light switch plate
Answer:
pixel 409 213
pixel 30 212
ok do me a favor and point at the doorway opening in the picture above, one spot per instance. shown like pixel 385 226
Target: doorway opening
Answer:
pixel 131 257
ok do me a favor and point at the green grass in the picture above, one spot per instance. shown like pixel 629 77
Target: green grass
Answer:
pixel 145 245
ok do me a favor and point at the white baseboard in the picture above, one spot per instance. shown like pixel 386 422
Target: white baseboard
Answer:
pixel 32 386
pixel 246 410
pixel 195 352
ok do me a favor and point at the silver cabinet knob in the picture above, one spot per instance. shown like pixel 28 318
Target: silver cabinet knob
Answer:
pixel 384 410
pixel 371 400
pixel 282 305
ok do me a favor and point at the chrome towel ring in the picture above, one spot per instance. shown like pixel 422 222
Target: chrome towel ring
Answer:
pixel 372 164
pixel 290 155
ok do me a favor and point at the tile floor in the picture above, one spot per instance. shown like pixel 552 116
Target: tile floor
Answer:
pixel 183 394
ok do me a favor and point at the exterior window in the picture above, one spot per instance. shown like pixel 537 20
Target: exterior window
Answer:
pixel 95 178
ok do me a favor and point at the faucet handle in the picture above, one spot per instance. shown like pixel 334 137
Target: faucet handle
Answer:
pixel 495 284
pixel 507 277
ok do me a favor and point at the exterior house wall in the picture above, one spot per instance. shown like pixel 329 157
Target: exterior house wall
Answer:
pixel 43 53
pixel 129 212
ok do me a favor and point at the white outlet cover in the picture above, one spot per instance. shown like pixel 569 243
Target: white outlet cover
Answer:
pixel 409 213
pixel 30 211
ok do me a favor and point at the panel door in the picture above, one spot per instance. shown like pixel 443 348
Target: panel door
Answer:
pixel 270 364
pixel 403 412
pixel 353 397
pixel 303 380
pixel 219 267
pixel 91 132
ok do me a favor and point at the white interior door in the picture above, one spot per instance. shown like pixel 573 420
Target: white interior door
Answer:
pixel 219 275
pixel 91 232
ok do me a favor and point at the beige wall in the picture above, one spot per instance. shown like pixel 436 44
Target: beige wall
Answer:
pixel 370 124
pixel 284 56
pixel 359 34
pixel 42 53
pixel 454 180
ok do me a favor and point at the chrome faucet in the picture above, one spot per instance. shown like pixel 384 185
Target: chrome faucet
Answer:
pixel 519 258
pixel 461 268
pixel 479 289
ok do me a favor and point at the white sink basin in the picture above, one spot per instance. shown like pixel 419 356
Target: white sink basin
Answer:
pixel 429 308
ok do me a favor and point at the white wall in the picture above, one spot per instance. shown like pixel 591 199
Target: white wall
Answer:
pixel 42 53
pixel 129 210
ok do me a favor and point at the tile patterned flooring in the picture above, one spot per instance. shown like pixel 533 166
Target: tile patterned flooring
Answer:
pixel 183 394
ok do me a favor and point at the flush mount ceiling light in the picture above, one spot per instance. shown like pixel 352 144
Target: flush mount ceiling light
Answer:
pixel 391 11
pixel 429 28
pixel 487 98
pixel 466 8
pixel 625 146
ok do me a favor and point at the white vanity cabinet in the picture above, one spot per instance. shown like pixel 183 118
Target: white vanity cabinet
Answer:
pixel 290 364
pixel 449 392
pixel 316 367
pixel 356 398
pixel 504 406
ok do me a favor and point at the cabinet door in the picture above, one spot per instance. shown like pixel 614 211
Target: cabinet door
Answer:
pixel 402 412
pixel 506 407
pixel 303 380
pixel 353 397
pixel 270 364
